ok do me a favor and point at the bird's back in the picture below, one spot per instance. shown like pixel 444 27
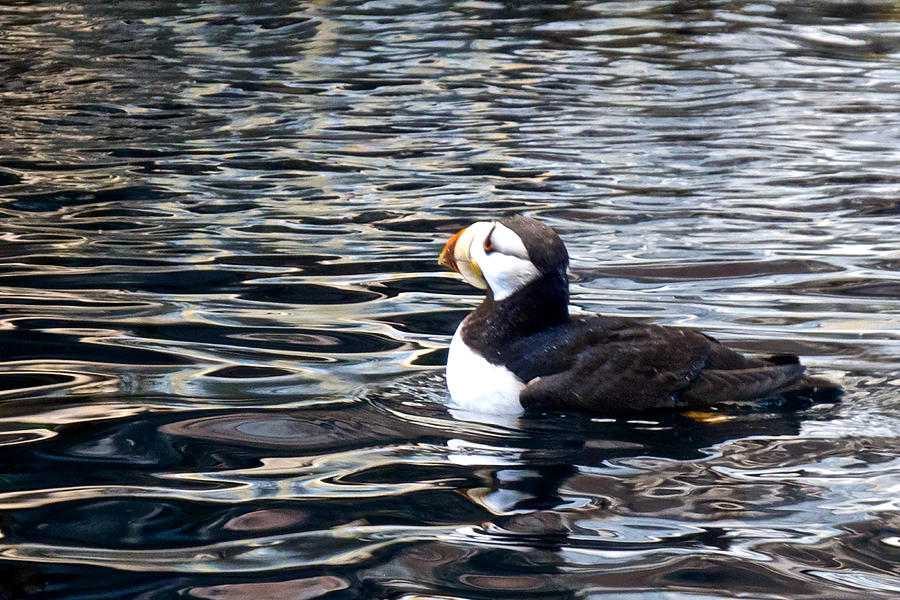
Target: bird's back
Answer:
pixel 615 364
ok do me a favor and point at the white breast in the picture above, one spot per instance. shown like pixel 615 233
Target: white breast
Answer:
pixel 477 385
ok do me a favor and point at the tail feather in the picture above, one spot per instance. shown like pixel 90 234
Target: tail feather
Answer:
pixel 736 385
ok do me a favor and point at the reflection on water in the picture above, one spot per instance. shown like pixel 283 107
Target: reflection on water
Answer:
pixel 220 311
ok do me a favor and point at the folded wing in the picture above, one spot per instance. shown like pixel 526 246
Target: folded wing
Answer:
pixel 614 364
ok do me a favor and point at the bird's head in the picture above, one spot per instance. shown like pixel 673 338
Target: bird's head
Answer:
pixel 505 255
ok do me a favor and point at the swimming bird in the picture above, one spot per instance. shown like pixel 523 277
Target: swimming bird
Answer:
pixel 521 349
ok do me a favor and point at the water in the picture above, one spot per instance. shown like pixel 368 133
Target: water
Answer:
pixel 223 321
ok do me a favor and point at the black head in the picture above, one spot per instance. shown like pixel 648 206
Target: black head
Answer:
pixel 545 249
pixel 505 256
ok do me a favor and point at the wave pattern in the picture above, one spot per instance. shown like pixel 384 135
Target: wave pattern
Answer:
pixel 221 316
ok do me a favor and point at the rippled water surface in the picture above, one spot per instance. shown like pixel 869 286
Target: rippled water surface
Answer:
pixel 222 321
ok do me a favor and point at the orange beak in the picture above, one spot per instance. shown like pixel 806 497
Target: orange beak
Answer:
pixel 447 257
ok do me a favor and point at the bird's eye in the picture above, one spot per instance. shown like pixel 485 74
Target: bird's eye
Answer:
pixel 488 244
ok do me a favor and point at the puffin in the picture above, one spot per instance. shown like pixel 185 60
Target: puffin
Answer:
pixel 522 350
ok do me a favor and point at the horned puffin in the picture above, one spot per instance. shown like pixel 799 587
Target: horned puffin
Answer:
pixel 521 349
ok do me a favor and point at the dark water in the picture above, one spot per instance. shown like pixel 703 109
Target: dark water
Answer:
pixel 218 230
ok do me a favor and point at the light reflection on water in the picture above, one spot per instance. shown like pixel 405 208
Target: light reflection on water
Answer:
pixel 218 231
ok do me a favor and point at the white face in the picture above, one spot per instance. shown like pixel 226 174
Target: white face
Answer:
pixel 489 254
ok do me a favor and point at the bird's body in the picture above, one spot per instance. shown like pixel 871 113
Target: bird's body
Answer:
pixel 521 349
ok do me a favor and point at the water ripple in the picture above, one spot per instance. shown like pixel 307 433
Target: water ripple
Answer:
pixel 221 315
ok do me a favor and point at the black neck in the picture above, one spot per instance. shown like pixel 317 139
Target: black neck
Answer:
pixel 541 304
